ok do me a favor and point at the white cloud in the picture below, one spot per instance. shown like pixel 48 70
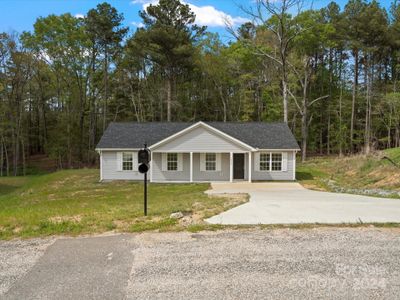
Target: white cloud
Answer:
pixel 205 15
pixel 79 16
pixel 137 24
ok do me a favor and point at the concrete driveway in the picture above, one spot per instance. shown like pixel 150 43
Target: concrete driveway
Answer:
pixel 290 203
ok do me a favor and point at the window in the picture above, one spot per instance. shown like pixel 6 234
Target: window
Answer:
pixel 270 161
pixel 172 161
pixel 127 161
pixel 276 161
pixel 265 161
pixel 211 162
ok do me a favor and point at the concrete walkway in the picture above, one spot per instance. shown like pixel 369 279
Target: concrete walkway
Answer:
pixel 290 203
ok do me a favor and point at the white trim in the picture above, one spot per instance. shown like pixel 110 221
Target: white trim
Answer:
pixel 257 161
pixel 101 166
pixel 188 182
pixel 163 162
pixel 191 166
pixel 284 161
pixel 198 151
pixel 180 162
pixel 218 162
pixel 250 167
pixel 278 150
pixel 231 167
pixel 118 149
pixel 199 124
pixel 119 161
pixel 202 162
pixel 294 166
pixel 151 166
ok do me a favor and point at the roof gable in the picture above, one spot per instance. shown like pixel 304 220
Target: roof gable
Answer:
pixel 201 137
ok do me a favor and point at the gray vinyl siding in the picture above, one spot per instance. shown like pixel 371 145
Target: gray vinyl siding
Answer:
pixel 160 175
pixel 222 175
pixel 110 168
pixel 200 140
pixel 275 175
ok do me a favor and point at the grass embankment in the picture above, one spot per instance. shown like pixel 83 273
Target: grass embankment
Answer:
pixel 74 202
pixel 360 174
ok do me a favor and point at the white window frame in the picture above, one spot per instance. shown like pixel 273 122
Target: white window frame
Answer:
pixel 172 161
pixel 208 161
pixel 271 161
pixel 203 162
pixel 120 161
pixel 124 160
pixel 276 161
pixel 268 161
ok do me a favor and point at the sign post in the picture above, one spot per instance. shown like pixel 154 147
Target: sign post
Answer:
pixel 144 159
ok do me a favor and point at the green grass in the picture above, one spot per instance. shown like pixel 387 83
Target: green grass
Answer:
pixel 394 154
pixel 73 202
pixel 354 172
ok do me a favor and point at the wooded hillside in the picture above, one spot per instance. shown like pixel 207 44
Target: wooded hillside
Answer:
pixel 331 74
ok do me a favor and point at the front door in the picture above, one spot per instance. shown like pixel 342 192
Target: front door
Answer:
pixel 238 166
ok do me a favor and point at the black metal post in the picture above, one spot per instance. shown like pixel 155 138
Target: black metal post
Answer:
pixel 145 188
pixel 145 194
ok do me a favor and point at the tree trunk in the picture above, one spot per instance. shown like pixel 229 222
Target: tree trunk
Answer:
pixel 285 98
pixel 353 102
pixel 169 96
pixel 23 157
pixel 1 158
pixel 304 116
pixel 367 132
pixel 105 88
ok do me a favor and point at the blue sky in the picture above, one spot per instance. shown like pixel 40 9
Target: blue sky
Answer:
pixel 20 15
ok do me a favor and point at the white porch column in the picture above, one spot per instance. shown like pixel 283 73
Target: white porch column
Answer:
pixel 151 166
pixel 250 165
pixel 231 167
pixel 191 166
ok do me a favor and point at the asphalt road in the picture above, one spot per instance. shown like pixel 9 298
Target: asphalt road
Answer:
pixel 334 263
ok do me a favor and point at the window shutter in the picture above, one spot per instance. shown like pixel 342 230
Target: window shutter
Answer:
pixel 135 164
pixel 284 161
pixel 218 161
pixel 119 161
pixel 180 162
pixel 202 162
pixel 164 162
pixel 257 161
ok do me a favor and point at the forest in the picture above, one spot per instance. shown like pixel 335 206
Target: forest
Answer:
pixel 331 74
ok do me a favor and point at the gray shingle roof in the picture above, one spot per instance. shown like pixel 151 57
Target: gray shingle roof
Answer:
pixel 256 134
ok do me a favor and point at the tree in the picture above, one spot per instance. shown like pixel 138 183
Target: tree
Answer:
pixel 274 16
pixel 103 25
pixel 168 38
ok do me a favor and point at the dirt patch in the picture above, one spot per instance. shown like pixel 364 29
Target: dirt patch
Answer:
pixel 199 213
pixel 60 219
pixel 393 181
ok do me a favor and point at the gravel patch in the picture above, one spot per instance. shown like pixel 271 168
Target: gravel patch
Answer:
pixel 322 263
pixel 17 257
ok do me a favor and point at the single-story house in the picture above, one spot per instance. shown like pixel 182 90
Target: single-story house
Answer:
pixel 199 152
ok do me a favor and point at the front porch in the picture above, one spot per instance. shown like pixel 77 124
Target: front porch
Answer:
pixel 201 166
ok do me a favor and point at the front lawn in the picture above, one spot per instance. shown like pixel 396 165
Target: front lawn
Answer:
pixel 74 202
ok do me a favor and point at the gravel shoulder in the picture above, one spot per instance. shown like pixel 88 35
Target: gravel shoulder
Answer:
pixel 17 257
pixel 319 263
pixel 322 263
